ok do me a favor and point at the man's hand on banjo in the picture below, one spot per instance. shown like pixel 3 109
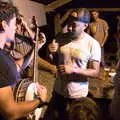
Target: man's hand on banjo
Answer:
pixel 42 92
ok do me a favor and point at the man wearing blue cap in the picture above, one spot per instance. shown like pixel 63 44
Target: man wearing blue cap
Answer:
pixel 73 57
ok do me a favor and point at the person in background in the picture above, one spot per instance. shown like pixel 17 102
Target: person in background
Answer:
pixel 117 38
pixel 76 48
pixel 98 29
pixel 31 33
pixel 115 103
pixel 72 15
pixel 9 109
pixel 24 43
pixel 84 109
pixel 23 47
pixel 53 47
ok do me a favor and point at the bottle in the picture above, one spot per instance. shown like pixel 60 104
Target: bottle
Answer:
pixel 106 73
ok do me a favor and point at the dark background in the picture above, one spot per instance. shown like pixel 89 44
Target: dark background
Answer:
pixel 109 16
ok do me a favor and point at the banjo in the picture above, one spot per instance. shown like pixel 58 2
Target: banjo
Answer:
pixel 25 89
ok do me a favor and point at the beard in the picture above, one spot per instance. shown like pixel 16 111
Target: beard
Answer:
pixel 74 35
pixel 10 45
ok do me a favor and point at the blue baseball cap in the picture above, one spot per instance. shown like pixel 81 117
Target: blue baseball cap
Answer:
pixel 85 18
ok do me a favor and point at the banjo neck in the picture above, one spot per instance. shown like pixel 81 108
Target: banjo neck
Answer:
pixel 35 66
pixel 26 89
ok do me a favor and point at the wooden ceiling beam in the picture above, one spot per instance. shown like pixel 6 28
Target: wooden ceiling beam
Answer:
pixel 105 9
pixel 55 4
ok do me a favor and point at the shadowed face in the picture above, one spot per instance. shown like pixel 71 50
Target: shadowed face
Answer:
pixel 53 46
pixel 10 30
pixel 76 28
pixel 94 15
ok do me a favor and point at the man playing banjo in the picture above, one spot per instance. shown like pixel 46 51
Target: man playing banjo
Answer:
pixel 9 109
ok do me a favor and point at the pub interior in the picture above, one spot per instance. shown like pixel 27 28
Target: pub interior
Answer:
pixel 52 18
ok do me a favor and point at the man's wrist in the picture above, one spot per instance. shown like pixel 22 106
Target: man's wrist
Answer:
pixel 42 103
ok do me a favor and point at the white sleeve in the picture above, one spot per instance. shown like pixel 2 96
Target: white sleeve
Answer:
pixel 95 51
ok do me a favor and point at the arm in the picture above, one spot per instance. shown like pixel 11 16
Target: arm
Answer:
pixel 91 72
pixel 12 110
pixel 31 33
pixel 105 37
pixel 46 65
pixel 105 33
pixel 74 67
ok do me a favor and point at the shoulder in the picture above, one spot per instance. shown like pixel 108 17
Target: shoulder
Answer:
pixel 91 40
pixel 6 60
pixel 3 55
pixel 103 21
pixel 105 24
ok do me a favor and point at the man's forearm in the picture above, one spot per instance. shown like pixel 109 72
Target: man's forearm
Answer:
pixel 22 109
pixel 87 72
pixel 105 38
pixel 90 72
pixel 12 110
pixel 46 65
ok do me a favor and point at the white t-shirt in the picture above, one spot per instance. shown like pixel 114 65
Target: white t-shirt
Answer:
pixel 74 85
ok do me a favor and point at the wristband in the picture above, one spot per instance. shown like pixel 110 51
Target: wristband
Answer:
pixel 42 103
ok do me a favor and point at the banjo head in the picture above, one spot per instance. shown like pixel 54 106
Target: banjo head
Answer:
pixel 26 90
pixel 21 89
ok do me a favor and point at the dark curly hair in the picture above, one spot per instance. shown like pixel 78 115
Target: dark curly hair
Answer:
pixel 7 12
pixel 84 109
